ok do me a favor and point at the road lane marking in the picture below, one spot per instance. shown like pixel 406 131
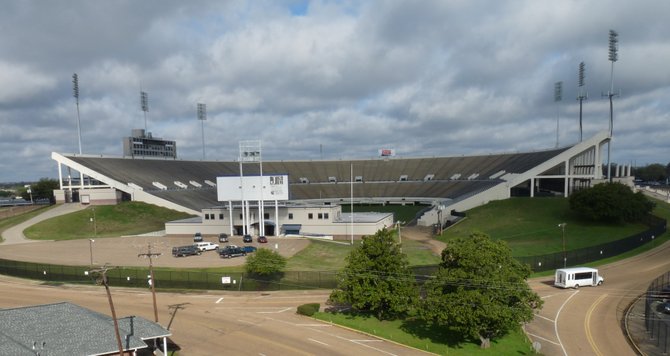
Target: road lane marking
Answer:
pixel 540 337
pixel 275 312
pixel 219 301
pixel 587 323
pixel 318 342
pixel 558 313
pixel 315 325
pixel 545 318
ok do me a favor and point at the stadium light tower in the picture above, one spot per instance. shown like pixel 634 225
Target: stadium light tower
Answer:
pixel 558 96
pixel 202 116
pixel 613 57
pixel 144 104
pixel 583 95
pixel 75 93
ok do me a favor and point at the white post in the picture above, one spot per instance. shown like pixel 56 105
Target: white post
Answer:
pixel 230 214
pixel 276 218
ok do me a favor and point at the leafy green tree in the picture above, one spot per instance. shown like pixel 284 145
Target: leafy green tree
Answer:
pixel 611 202
pixel 40 190
pixel 479 290
pixel 652 172
pixel 265 262
pixel 377 278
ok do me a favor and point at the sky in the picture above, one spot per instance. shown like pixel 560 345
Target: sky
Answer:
pixel 329 79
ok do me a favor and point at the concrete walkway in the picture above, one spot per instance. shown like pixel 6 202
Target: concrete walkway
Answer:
pixel 14 235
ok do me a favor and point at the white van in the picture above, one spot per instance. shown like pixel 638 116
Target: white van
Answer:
pixel 576 277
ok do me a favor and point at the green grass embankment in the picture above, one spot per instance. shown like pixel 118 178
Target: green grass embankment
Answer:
pixel 126 218
pixel 530 226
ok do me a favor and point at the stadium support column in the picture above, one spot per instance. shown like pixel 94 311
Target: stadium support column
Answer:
pixel 230 215
pixel 532 187
pixel 60 175
pixel 567 178
pixel 276 218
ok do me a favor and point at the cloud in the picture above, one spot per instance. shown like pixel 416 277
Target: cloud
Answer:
pixel 328 79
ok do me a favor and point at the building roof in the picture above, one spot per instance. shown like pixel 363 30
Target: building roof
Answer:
pixel 68 329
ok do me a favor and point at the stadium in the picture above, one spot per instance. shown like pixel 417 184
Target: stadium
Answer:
pixel 231 196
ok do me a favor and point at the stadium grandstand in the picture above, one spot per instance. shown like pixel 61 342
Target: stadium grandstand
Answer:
pixel 447 184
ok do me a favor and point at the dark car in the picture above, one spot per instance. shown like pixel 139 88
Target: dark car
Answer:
pixel 197 237
pixel 181 251
pixel 249 249
pixel 262 240
pixel 223 237
pixel 247 238
pixel 229 252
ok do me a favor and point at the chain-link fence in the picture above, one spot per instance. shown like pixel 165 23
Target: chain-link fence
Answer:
pixel 292 280
pixel 657 313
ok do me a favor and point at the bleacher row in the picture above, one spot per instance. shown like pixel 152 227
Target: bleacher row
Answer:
pixel 189 183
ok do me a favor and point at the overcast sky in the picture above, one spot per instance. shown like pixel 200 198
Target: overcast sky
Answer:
pixel 331 79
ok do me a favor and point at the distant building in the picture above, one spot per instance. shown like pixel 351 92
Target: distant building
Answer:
pixel 141 144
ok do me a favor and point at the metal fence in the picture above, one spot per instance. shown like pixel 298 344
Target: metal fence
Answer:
pixel 657 226
pixel 656 322
pixel 292 280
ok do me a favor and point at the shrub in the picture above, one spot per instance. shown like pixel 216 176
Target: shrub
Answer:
pixel 309 309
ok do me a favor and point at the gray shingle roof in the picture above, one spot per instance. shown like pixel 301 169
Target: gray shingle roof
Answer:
pixel 68 329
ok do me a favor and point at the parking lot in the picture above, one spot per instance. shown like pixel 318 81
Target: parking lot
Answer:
pixel 123 251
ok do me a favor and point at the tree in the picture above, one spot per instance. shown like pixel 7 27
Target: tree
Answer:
pixel 377 278
pixel 265 262
pixel 479 290
pixel 611 202
pixel 41 190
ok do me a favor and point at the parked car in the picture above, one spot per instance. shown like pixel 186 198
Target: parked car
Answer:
pixel 262 240
pixel 206 246
pixel 223 237
pixel 247 238
pixel 181 251
pixel 230 252
pixel 249 249
pixel 197 237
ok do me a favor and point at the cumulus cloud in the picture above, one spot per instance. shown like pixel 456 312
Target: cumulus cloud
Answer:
pixel 327 79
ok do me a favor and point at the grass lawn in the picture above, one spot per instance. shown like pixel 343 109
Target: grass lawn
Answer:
pixel 530 226
pixel 126 218
pixel 417 335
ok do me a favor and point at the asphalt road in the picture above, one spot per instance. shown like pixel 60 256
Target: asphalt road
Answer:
pixel 588 320
pixel 217 323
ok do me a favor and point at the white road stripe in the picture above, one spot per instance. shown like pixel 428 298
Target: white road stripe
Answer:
pixel 540 337
pixel 219 301
pixel 318 342
pixel 545 318
pixel 275 312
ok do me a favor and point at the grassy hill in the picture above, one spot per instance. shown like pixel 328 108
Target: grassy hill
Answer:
pixel 126 218
pixel 530 226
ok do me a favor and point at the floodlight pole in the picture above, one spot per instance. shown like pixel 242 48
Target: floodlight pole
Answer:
pixel 75 93
pixel 558 96
pixel 613 57
pixel 150 255
pixel 351 204
pixel 581 97
pixel 144 104
pixel 202 116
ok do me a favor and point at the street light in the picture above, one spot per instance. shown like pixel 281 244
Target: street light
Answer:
pixel 565 257
pixel 90 245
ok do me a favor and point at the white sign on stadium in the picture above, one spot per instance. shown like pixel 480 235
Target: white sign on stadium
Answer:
pixel 275 187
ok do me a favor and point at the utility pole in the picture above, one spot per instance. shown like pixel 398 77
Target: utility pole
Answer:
pixel 101 278
pixel 565 256
pixel 150 255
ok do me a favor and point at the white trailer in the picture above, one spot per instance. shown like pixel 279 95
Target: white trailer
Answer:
pixel 577 277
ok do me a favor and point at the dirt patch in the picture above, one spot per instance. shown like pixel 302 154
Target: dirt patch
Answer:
pixel 423 235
